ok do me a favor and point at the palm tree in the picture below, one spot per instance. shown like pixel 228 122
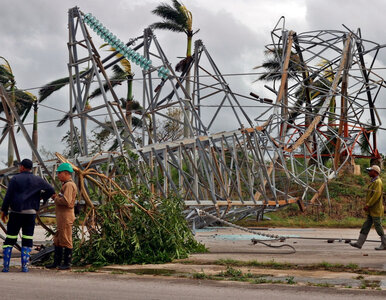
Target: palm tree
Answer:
pixel 120 74
pixel 23 102
pixel 272 65
pixel 178 18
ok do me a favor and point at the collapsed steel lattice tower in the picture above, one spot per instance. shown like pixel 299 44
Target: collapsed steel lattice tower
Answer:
pixel 285 155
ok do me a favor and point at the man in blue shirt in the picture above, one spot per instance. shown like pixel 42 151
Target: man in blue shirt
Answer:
pixel 22 201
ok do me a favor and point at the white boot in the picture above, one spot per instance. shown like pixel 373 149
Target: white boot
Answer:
pixel 383 243
pixel 361 240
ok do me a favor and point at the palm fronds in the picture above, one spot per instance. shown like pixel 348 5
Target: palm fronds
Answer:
pixel 176 18
pixel 52 86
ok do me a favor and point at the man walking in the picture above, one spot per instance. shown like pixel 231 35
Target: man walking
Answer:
pixel 22 201
pixel 374 208
pixel 65 217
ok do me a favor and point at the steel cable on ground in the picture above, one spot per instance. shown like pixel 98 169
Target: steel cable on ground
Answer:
pixel 274 237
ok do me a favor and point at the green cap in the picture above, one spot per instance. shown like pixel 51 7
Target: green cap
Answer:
pixel 65 167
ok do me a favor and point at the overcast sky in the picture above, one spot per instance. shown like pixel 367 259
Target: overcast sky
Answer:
pixel 33 37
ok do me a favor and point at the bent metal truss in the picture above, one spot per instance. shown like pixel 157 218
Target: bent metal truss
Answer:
pixel 322 111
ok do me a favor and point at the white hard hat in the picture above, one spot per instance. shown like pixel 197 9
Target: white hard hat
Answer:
pixel 375 168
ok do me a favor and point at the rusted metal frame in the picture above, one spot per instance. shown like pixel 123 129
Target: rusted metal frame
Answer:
pixel 282 97
pixel 326 103
pixel 306 79
pixel 343 109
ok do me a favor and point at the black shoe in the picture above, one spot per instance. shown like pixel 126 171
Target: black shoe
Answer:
pixel 66 260
pixel 57 258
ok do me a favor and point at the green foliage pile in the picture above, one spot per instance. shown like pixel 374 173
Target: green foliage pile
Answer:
pixel 125 234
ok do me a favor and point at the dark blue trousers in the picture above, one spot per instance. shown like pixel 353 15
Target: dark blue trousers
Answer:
pixel 17 221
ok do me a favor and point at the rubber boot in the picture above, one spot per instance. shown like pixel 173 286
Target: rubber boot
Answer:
pixel 66 260
pixel 383 244
pixel 361 240
pixel 58 254
pixel 25 255
pixel 7 252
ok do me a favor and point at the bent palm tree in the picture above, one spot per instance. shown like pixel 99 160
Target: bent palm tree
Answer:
pixel 178 18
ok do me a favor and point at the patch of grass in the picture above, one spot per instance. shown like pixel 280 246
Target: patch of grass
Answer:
pixel 290 280
pixel 344 209
pixel 372 284
pixel 265 280
pixel 84 270
pixel 233 274
pixel 272 264
pixel 323 284
pixel 266 264
pixel 118 272
pixel 200 275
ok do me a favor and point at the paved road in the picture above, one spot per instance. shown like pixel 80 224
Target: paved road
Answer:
pixel 41 284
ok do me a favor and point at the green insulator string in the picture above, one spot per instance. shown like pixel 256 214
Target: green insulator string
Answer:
pixel 121 47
